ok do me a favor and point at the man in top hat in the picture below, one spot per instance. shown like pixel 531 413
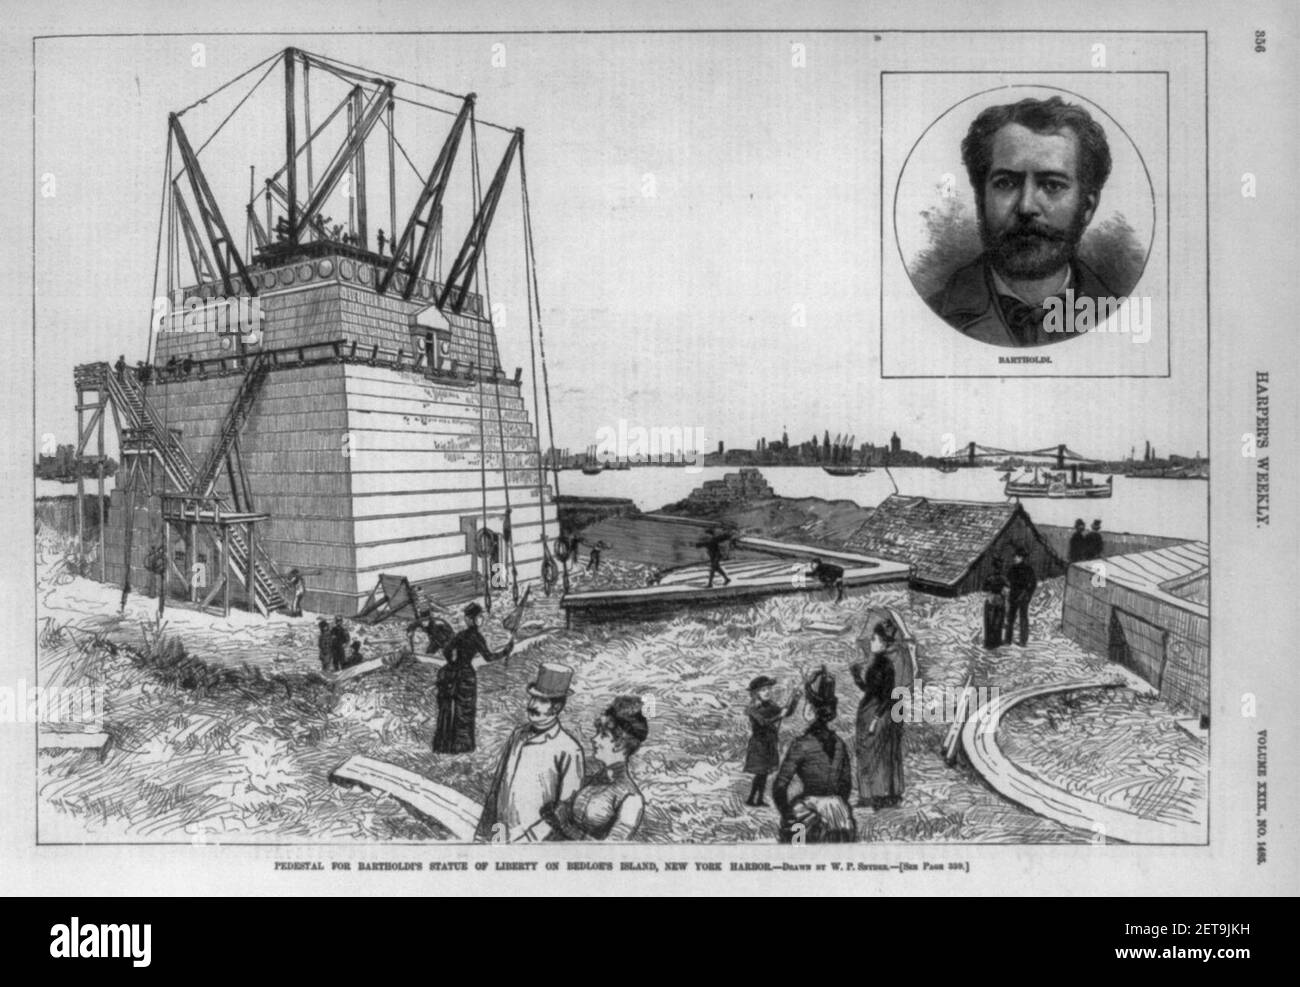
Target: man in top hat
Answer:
pixel 541 764
pixel 1079 542
pixel 457 685
pixel 1092 541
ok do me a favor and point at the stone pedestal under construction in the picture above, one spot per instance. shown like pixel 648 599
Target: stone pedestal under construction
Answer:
pixel 371 441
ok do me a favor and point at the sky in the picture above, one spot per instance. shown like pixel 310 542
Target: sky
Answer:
pixel 706 216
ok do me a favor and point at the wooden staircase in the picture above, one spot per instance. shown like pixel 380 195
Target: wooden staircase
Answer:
pixel 140 420
pixel 249 388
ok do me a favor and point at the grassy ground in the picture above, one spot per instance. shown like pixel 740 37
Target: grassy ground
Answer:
pixel 225 730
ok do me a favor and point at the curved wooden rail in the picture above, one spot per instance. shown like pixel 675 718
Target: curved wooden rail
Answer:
pixel 979 738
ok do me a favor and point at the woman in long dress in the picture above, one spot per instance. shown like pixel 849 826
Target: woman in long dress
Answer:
pixel 878 740
pixel 995 606
pixel 456 689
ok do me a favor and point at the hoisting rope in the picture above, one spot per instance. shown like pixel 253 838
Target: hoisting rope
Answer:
pixel 232 112
pixel 496 386
pixel 451 113
pixel 535 344
pixel 157 250
pixel 393 137
pixel 275 57
pixel 531 248
pixel 478 389
pixel 165 219
pixel 368 75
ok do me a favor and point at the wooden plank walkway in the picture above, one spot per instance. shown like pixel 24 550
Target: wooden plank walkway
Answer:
pixel 74 740
pixel 354 671
pixel 979 738
pixel 455 812
pixel 776 571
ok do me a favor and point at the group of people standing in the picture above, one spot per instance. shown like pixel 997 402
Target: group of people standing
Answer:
pixel 820 809
pixel 541 789
pixel 1086 545
pixel 146 373
pixel 337 649
pixel 1006 600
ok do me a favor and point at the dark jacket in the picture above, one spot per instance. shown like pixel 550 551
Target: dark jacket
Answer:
pixel 765 719
pixel 968 303
pixel 713 545
pixel 1092 545
pixel 995 583
pixel 323 640
pixel 1021 579
pixel 1079 547
pixel 339 641
pixel 823 766
pixel 827 573
pixel 439 633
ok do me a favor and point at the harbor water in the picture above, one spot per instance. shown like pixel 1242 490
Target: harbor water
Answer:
pixel 1170 508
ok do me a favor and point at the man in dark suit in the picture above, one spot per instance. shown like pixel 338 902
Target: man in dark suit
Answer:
pixel 1093 544
pixel 1079 542
pixel 1021 583
pixel 1037 168
pixel 339 641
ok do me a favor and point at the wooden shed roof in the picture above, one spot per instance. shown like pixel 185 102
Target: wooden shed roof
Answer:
pixel 1161 573
pixel 940 539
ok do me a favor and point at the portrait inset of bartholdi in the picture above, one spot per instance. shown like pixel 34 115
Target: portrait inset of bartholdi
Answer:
pixel 1038 169
pixel 1024 218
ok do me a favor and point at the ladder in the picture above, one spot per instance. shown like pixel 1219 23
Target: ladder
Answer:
pixel 139 415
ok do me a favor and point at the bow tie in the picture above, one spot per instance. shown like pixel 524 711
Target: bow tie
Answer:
pixel 1024 321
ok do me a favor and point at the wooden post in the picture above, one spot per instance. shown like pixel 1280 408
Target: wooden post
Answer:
pixel 359 177
pixel 227 572
pixel 290 147
pixel 306 115
pixel 167 567
pixel 251 585
pixel 81 483
pixel 103 562
pixel 190 549
pixel 392 184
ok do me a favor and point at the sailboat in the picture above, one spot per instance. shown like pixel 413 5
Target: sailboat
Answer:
pixel 591 467
pixel 841 463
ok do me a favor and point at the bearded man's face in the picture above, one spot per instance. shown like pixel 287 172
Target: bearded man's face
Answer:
pixel 1035 208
